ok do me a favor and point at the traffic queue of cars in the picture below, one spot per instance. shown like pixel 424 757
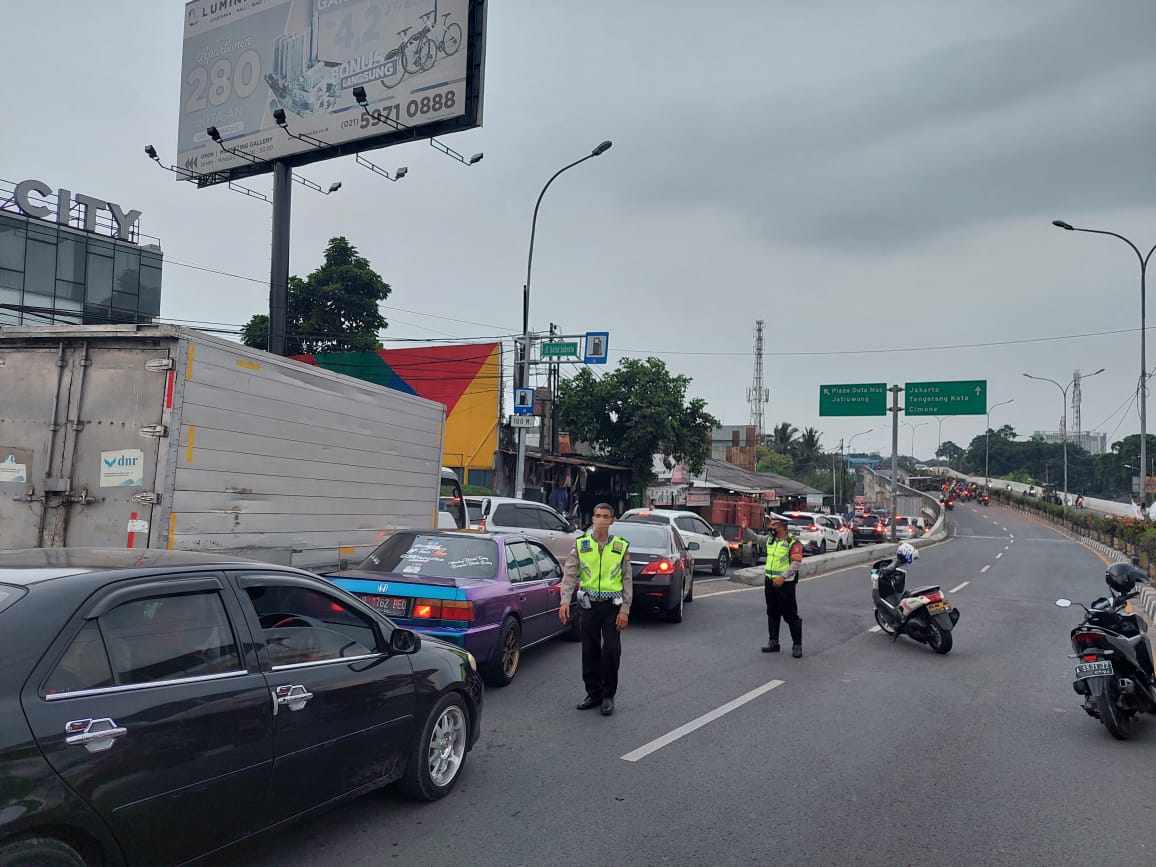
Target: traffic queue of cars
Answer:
pixel 144 687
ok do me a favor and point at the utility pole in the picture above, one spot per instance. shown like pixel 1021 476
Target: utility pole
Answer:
pixel 895 409
pixel 552 380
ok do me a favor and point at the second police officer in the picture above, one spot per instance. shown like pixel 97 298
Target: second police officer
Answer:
pixel 780 579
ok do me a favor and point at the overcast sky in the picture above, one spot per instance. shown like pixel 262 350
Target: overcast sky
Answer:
pixel 876 180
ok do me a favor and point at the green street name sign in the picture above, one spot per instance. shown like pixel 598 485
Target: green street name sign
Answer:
pixel 854 399
pixel 559 350
pixel 962 397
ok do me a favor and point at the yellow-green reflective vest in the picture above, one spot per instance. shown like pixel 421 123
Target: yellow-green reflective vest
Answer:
pixel 600 571
pixel 779 556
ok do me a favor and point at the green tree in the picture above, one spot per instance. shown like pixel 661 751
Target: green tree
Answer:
pixel 334 309
pixel 808 449
pixel 770 461
pixel 636 412
pixel 782 438
pixel 950 452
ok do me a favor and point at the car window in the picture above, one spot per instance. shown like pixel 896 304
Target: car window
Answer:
pixel 548 567
pixel 435 555
pixel 549 520
pixel 701 526
pixel 301 624
pixel 642 535
pixel 474 509
pixel 520 565
pixel 163 637
pixel 686 524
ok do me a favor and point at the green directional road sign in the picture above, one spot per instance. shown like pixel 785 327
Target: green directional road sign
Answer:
pixel 854 399
pixel 961 397
pixel 559 350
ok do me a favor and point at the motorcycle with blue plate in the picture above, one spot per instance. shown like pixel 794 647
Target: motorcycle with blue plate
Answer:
pixel 1114 672
pixel 924 615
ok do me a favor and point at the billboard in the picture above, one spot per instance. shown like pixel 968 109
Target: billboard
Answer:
pixel 420 62
pixel 465 378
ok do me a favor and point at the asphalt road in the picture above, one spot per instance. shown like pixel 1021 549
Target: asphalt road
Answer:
pixel 867 752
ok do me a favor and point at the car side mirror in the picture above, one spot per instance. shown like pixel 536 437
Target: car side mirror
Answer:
pixel 404 641
pixel 692 546
pixel 1064 603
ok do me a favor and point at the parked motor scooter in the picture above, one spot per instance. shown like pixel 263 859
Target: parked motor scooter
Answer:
pixel 924 615
pixel 1114 668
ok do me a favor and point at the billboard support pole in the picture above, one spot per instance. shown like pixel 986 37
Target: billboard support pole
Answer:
pixel 895 389
pixel 279 265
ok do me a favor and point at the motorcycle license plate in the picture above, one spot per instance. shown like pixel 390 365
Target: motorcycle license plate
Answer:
pixel 938 607
pixel 1093 669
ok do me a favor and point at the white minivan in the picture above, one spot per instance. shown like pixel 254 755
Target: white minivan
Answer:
pixel 713 552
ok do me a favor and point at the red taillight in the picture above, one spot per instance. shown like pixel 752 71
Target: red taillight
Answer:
pixel 442 609
pixel 481 523
pixel 657 567
pixel 880 526
pixel 1086 639
pixel 937 596
pixel 1091 657
pixel 813 528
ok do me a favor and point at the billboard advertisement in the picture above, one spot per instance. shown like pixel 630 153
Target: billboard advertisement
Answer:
pixel 420 62
pixel 465 378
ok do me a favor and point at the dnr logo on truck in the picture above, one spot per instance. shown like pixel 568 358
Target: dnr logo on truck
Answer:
pixel 122 469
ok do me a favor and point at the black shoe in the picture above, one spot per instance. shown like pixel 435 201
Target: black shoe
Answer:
pixel 797 651
pixel 607 706
pixel 588 702
pixel 771 647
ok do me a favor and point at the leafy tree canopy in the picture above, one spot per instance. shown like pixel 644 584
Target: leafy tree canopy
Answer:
pixel 334 309
pixel 637 411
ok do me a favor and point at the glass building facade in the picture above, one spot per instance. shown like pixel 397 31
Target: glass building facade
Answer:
pixel 56 275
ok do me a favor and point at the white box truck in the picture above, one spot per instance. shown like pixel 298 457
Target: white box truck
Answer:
pixel 154 436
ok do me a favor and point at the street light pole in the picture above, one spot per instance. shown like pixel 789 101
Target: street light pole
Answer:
pixel 1142 392
pixel 520 469
pixel 1064 433
pixel 869 430
pixel 913 427
pixel 987 446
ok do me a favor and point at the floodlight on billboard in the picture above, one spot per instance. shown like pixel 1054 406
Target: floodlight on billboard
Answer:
pixel 420 62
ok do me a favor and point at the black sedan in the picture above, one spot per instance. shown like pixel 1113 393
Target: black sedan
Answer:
pixel 869 530
pixel 156 706
pixel 662 567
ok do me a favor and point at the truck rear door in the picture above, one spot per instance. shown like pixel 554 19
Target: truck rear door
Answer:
pixel 80 436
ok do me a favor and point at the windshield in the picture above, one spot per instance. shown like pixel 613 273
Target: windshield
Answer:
pixel 431 554
pixel 642 535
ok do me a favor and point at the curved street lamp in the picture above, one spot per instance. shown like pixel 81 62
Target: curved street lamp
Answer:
pixel 1142 385
pixel 913 426
pixel 520 470
pixel 987 444
pixel 1064 433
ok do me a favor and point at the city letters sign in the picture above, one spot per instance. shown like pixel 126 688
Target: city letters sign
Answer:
pixel 122 220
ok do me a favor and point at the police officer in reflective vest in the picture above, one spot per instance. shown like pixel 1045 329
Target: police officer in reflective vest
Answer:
pixel 780 578
pixel 602 562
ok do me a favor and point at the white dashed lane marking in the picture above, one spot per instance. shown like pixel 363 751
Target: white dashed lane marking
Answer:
pixel 985 568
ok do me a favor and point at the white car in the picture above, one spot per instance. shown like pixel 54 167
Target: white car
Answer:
pixel 817 533
pixel 845 531
pixel 525 517
pixel 713 551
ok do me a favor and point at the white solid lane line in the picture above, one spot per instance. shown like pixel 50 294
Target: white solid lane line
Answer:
pixel 683 730
pixel 1000 554
pixel 960 587
pixel 725 592
pixel 985 568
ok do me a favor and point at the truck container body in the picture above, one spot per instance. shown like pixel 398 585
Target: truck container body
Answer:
pixel 154 436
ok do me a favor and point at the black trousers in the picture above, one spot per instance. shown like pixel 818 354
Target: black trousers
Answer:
pixel 601 649
pixel 781 604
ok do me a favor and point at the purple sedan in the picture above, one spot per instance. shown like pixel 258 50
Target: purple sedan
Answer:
pixel 493 594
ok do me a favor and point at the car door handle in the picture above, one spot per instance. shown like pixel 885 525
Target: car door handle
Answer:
pixel 294 696
pixel 95 735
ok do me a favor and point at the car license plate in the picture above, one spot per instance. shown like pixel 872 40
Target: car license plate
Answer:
pixel 938 607
pixel 1093 669
pixel 390 606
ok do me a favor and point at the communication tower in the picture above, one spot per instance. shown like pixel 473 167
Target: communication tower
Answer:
pixel 758 395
